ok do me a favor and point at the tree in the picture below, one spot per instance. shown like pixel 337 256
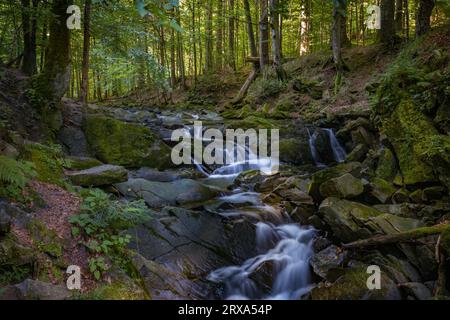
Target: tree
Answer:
pixel 423 16
pixel 263 35
pixel 274 28
pixel 387 31
pixel 231 27
pixel 86 49
pixel 336 35
pixel 219 35
pixel 29 25
pixel 54 80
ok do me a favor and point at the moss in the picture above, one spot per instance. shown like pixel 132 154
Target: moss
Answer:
pixel 129 145
pixel 353 286
pixel 253 122
pixel 46 240
pixel 386 167
pixel 48 161
pixel 81 163
pixel 410 133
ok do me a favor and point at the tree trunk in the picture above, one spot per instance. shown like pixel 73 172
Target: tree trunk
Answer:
pixel 231 27
pixel 29 36
pixel 56 74
pixel 276 53
pixel 398 15
pixel 423 16
pixel 86 49
pixel 208 53
pixel 219 35
pixel 263 35
pixel 336 36
pixel 387 31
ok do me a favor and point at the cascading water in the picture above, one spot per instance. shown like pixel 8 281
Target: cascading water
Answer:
pixel 338 151
pixel 283 247
pixel 312 146
pixel 285 251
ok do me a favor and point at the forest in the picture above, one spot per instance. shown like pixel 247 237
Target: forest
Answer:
pixel 98 203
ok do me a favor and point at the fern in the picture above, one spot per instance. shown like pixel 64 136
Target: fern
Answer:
pixel 14 176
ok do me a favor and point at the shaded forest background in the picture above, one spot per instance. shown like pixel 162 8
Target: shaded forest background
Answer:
pixel 157 46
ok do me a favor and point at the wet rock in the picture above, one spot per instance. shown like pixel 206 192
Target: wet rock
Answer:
pixel 345 186
pixel 38 290
pixel 74 140
pixel 321 176
pixel 179 247
pixel 159 194
pixel 324 261
pixel 416 196
pixel 381 190
pixel 126 144
pixel 296 195
pixel 99 176
pixel 408 210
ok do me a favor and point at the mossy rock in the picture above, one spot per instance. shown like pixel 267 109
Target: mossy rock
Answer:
pixel 296 151
pixel 353 286
pixel 321 176
pixel 48 161
pixel 382 190
pixel 411 135
pixel 129 145
pixel 252 122
pixel 387 167
pixel 345 186
pixel 45 239
pixel 99 176
pixel 82 163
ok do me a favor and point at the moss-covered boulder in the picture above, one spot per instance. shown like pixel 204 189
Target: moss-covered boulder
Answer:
pixel 345 186
pixel 81 163
pixel 381 190
pixel 296 151
pixel 353 286
pixel 321 176
pixel 411 134
pixel 129 145
pixel 99 176
pixel 387 166
pixel 347 219
pixel 48 161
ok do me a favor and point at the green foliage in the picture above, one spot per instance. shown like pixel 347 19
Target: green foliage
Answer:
pixel 14 274
pixel 262 89
pixel 100 226
pixel 14 176
pixel 48 160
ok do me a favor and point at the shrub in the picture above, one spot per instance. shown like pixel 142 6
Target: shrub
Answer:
pixel 100 226
pixel 14 176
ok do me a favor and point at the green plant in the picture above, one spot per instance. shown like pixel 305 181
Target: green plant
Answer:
pixel 101 223
pixel 97 266
pixel 14 176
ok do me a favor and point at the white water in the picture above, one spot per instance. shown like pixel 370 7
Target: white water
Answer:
pixel 338 151
pixel 283 249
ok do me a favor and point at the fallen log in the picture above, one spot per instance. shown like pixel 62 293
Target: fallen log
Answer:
pixel 398 237
pixel 252 76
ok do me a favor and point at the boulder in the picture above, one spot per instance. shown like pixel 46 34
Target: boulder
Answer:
pixel 345 186
pixel 346 219
pixel 38 290
pixel 433 193
pixel 354 168
pixel 126 144
pixel 400 196
pixel 386 167
pixel 381 190
pixel 295 151
pixel 353 286
pixel 159 194
pixel 417 290
pixel 155 175
pixel 358 153
pixel 82 163
pixel 106 174
pixel 326 260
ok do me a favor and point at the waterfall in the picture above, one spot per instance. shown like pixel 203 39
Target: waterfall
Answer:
pixel 312 146
pixel 285 251
pixel 338 151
